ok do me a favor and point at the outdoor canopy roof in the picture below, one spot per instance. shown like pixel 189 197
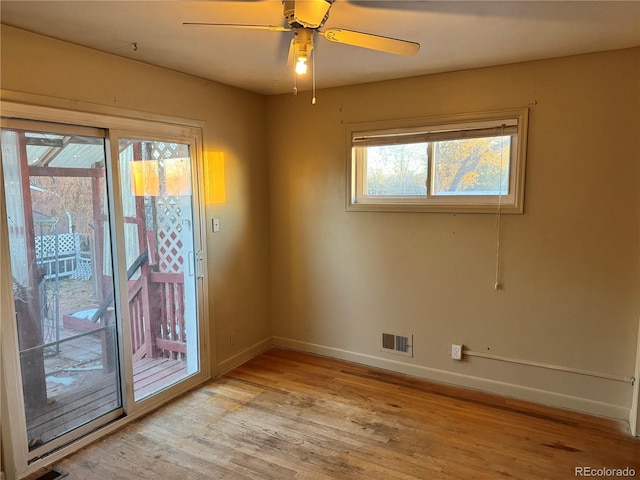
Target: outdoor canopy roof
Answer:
pixel 66 151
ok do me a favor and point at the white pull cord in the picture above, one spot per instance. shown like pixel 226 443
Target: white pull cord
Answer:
pixel 498 285
pixel 295 83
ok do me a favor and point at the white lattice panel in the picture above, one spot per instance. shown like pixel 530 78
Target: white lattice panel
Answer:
pixel 170 212
pixel 46 244
pixel 169 233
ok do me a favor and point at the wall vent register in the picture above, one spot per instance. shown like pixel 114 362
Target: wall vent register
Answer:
pixel 399 344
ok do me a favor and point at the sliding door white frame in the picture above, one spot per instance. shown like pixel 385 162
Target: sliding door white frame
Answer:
pixel 18 461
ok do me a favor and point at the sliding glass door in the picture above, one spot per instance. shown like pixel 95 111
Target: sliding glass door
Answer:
pixel 55 188
pixel 104 238
pixel 161 262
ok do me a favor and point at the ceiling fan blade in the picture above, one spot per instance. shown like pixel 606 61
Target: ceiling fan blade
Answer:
pixel 272 28
pixel 374 42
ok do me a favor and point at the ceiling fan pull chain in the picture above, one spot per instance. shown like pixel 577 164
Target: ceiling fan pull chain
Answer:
pixel 313 77
pixel 295 86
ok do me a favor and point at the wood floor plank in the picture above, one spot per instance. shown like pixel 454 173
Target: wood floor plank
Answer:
pixel 288 415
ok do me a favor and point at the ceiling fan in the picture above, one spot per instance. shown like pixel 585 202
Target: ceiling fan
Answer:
pixel 305 19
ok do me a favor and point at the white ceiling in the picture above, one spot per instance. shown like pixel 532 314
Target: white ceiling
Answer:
pixel 454 35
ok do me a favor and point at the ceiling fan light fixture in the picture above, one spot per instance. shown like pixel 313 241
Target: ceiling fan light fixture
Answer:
pixel 302 46
pixel 301 65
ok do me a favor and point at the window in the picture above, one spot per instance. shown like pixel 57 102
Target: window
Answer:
pixel 468 163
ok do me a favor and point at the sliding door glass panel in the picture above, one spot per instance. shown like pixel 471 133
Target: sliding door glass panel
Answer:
pixel 157 205
pixel 64 303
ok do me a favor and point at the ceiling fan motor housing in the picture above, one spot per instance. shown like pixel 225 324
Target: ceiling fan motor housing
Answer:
pixel 306 13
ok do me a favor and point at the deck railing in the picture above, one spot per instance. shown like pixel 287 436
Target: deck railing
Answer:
pixel 157 326
pixel 169 329
pixel 140 320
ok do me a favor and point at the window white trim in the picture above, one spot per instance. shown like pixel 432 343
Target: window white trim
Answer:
pixel 432 129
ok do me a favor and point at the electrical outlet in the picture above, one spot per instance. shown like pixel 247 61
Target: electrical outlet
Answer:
pixel 232 339
pixel 456 352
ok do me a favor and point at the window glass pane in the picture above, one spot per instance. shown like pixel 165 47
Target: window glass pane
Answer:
pixel 477 166
pixel 159 236
pixel 396 170
pixel 65 316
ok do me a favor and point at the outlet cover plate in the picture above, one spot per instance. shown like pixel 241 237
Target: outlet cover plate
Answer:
pixel 456 352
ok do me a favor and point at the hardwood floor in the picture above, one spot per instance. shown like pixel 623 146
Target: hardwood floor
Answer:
pixel 290 415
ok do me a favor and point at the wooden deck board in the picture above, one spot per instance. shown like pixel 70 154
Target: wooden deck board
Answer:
pixel 147 372
pixel 289 415
pixel 73 407
pixel 151 375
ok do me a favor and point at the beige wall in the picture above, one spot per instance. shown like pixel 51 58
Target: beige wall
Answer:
pixel 233 123
pixel 334 280
pixel 570 263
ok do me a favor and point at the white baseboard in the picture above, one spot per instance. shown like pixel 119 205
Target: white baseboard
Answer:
pixel 244 355
pixel 492 386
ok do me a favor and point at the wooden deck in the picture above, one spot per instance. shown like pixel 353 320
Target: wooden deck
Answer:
pixel 153 374
pixel 71 408
pixel 288 415
pixel 78 389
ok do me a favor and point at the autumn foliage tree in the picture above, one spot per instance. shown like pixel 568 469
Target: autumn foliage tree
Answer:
pixel 477 165
pixel 58 196
pixel 466 166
